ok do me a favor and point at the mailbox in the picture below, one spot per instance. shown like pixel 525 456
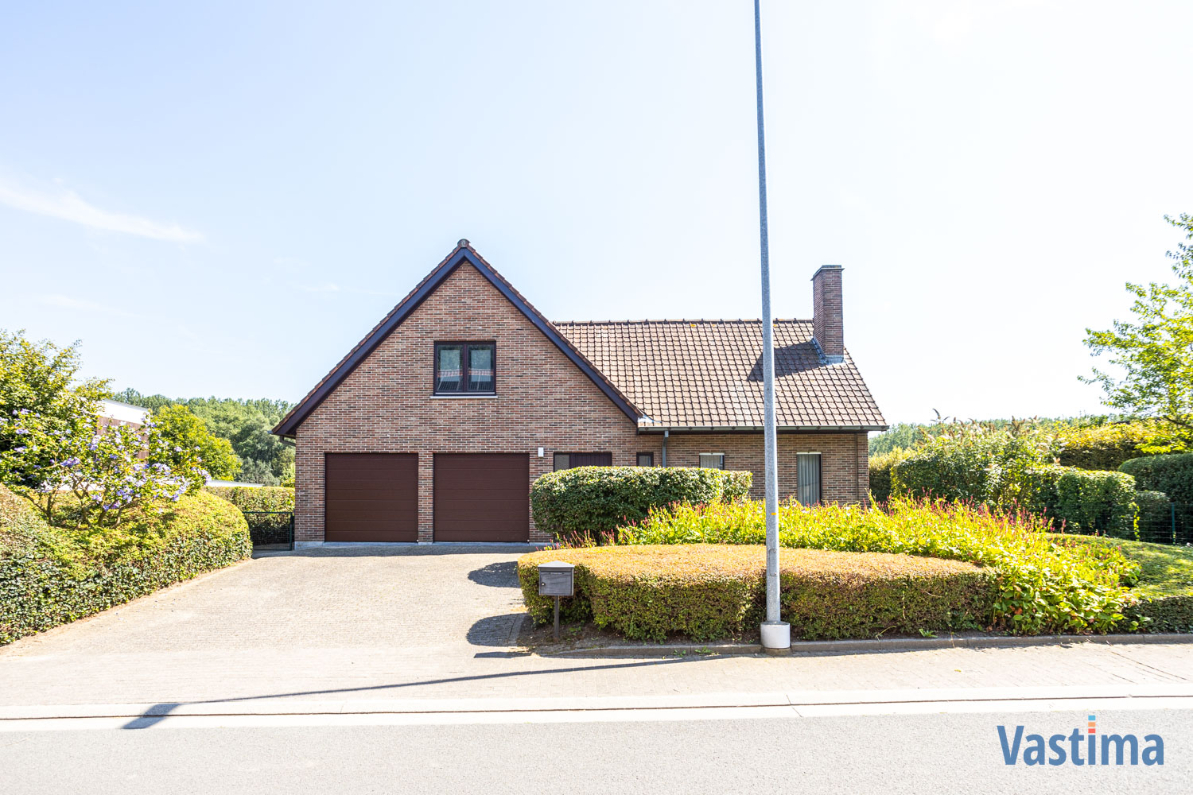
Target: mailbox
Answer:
pixel 556 579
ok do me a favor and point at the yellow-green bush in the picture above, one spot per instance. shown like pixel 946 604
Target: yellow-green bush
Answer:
pixel 1103 447
pixel 711 592
pixel 52 575
pixel 1043 586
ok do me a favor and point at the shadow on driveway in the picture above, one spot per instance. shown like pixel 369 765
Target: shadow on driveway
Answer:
pixel 496 575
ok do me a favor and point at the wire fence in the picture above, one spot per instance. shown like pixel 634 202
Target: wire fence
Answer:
pixel 271 528
pixel 1171 524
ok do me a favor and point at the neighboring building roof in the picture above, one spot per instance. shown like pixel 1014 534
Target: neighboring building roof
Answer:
pixel 705 374
pixel 123 412
pixel 462 253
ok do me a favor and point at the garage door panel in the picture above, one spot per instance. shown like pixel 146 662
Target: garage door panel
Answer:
pixel 482 497
pixel 371 497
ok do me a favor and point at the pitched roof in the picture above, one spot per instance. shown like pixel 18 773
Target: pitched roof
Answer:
pixel 462 253
pixel 708 374
pixel 700 374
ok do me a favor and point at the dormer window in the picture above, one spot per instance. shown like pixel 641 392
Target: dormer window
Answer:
pixel 465 368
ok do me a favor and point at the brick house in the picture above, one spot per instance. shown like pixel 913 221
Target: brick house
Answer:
pixel 435 425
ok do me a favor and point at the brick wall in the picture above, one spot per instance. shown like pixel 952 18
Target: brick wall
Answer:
pixel 386 406
pixel 844 460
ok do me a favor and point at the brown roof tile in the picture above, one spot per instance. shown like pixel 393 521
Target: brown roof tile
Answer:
pixel 708 373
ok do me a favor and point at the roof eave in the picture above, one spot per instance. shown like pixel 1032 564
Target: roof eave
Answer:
pixel 288 427
pixel 758 428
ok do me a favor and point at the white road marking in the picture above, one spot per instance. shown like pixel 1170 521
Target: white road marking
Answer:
pixel 796 711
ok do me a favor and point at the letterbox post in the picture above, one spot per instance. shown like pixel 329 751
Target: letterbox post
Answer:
pixel 556 579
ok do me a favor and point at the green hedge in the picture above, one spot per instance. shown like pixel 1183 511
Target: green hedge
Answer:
pixel 1084 501
pixel 1163 613
pixel 276 500
pixel 711 592
pixel 880 473
pixel 52 575
pixel 1171 474
pixel 593 501
pixel 1044 585
pixel 266 498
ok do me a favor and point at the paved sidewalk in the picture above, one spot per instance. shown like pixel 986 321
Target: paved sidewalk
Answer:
pixel 339 625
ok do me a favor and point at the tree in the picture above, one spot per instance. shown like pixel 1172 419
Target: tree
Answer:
pixel 36 378
pixel 189 446
pixel 245 423
pixel 1155 351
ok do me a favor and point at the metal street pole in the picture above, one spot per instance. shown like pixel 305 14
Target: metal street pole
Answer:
pixel 776 635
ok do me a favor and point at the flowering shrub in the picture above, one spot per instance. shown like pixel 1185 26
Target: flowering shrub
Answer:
pixel 77 473
pixel 1044 585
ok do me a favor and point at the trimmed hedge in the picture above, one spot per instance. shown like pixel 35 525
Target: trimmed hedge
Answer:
pixel 1044 586
pixel 592 501
pixel 266 498
pixel 1171 474
pixel 1163 613
pixel 276 499
pixel 1155 515
pixel 1087 501
pixel 880 473
pixel 709 592
pixel 52 575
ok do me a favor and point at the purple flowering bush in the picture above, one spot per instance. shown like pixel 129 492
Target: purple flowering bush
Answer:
pixel 80 474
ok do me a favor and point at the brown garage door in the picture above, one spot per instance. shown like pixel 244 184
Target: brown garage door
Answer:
pixel 371 497
pixel 482 497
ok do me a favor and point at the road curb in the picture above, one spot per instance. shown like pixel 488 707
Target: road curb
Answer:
pixel 866 646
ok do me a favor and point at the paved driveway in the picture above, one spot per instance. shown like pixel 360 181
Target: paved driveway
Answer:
pixel 332 613
pixel 385 623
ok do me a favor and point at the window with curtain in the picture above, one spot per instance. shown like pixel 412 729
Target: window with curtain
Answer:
pixel 712 460
pixel 465 368
pixel 808 475
pixel 645 459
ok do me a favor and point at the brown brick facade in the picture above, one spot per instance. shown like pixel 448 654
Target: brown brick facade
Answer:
pixel 543 400
pixel 844 460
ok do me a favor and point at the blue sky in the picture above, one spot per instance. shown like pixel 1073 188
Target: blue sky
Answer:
pixel 222 198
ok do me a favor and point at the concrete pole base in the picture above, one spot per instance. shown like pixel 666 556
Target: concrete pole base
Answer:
pixel 776 636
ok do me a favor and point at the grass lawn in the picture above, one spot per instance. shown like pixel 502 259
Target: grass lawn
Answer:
pixel 1165 584
pixel 1165 569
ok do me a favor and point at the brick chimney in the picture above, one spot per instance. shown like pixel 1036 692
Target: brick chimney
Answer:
pixel 827 324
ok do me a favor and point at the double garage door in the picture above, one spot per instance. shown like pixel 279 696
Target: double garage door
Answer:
pixel 477 497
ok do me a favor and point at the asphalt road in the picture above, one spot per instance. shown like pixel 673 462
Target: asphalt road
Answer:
pixel 933 753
